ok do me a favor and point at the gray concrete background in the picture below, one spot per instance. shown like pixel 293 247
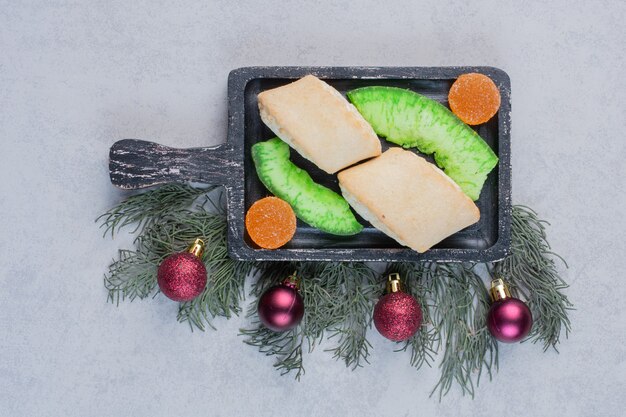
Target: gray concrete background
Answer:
pixel 76 76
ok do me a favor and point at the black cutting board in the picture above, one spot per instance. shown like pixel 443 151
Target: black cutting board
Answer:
pixel 138 164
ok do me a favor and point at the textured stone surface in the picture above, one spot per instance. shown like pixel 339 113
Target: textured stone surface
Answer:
pixel 74 77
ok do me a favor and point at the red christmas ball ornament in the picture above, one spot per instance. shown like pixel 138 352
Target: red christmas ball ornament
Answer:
pixel 509 320
pixel 281 307
pixel 182 276
pixel 397 315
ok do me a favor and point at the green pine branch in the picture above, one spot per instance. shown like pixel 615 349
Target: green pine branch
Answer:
pixel 339 297
pixel 353 289
pixel 424 345
pixel 286 346
pixel 143 209
pixel 460 306
pixel 132 275
pixel 168 219
pixel 531 271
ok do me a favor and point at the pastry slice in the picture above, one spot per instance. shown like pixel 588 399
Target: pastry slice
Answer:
pixel 319 123
pixel 408 198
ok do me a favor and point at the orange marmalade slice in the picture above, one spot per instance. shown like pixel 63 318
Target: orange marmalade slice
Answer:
pixel 474 98
pixel 271 222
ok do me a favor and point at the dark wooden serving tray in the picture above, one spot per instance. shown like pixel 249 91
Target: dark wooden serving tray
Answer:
pixel 138 164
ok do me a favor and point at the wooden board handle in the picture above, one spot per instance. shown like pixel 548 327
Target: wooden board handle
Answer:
pixel 137 163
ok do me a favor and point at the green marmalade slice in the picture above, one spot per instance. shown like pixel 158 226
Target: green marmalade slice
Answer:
pixel 313 203
pixel 412 120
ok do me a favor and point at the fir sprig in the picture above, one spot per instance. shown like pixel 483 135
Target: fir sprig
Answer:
pixel 359 287
pixel 142 209
pixel 454 306
pixel 285 346
pixel 424 345
pixel 339 297
pixel 166 228
pixel 131 276
pixel 459 309
pixel 531 270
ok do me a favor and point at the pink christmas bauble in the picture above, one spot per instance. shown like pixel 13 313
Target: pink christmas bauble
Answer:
pixel 509 320
pixel 281 307
pixel 397 316
pixel 182 276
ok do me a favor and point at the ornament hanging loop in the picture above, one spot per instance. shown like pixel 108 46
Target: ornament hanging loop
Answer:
pixel 499 290
pixel 292 281
pixel 197 248
pixel 394 284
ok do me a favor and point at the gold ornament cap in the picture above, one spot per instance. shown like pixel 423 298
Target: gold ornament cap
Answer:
pixel 292 281
pixel 197 248
pixel 499 290
pixel 394 284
